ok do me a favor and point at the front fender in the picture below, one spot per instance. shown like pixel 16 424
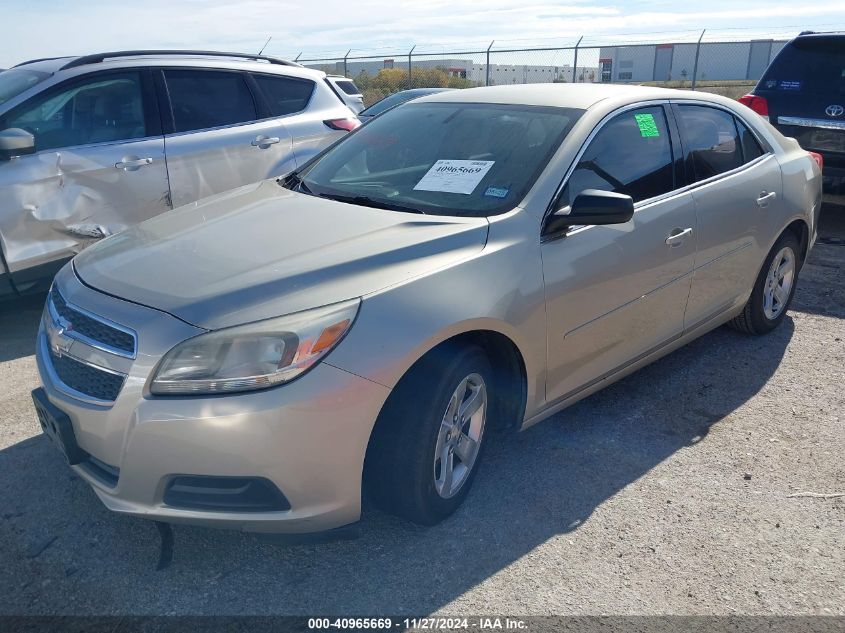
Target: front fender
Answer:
pixel 500 289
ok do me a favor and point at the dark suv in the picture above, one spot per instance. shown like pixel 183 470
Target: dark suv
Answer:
pixel 802 93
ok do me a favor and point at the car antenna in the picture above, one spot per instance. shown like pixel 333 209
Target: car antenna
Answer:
pixel 265 45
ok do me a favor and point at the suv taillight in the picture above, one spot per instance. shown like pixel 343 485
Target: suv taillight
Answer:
pixel 343 124
pixel 758 104
pixel 818 158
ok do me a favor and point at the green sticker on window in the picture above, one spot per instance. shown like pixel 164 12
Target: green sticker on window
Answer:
pixel 647 124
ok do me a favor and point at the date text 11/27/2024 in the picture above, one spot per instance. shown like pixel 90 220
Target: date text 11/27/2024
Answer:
pixel 419 624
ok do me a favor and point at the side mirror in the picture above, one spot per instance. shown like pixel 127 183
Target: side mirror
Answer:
pixel 16 142
pixel 592 206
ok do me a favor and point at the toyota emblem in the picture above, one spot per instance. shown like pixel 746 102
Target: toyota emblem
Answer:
pixel 834 110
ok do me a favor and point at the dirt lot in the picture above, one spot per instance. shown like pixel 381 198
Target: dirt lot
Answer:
pixel 670 492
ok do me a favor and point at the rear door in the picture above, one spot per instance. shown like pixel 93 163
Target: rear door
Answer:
pixel 98 168
pixel 290 101
pixel 737 188
pixel 218 133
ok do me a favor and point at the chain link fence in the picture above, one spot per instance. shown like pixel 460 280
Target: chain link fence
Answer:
pixel 723 64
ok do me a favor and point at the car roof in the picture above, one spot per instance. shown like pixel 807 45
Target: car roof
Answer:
pixel 831 34
pixel 423 91
pixel 219 59
pixel 580 96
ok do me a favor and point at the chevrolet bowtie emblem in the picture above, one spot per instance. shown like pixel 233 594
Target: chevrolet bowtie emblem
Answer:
pixel 59 341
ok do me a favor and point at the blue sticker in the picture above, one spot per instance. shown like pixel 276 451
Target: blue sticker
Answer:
pixel 497 192
pixel 790 85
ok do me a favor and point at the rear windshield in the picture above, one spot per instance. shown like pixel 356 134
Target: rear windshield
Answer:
pixel 810 65
pixel 388 102
pixel 442 158
pixel 15 81
pixel 348 87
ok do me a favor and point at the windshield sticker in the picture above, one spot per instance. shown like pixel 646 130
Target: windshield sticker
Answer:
pixel 790 85
pixel 647 124
pixel 454 176
pixel 497 192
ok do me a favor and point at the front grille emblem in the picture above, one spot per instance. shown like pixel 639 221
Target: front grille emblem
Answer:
pixel 60 342
pixel 834 110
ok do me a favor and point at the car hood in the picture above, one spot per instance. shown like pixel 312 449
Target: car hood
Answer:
pixel 262 251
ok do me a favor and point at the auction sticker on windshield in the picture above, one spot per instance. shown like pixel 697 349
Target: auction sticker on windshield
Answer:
pixel 454 176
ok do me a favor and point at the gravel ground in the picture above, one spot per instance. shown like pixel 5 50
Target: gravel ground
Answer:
pixel 667 493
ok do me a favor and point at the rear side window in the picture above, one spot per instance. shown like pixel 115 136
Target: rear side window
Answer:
pixel 750 146
pixel 711 141
pixel 285 95
pixel 202 99
pixel 348 87
pixel 631 154
pixel 809 65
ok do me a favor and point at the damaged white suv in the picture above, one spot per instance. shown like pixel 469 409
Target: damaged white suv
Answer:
pixel 91 145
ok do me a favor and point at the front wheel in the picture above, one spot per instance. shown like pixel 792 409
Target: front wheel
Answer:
pixel 773 289
pixel 428 441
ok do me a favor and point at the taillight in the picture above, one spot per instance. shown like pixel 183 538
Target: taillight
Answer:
pixel 818 158
pixel 758 104
pixel 343 124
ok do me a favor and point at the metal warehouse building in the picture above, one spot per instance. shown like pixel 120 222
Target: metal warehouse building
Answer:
pixel 665 62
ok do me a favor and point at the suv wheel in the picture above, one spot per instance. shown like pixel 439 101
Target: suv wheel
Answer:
pixel 773 290
pixel 428 441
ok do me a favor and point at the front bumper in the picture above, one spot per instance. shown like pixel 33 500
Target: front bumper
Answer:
pixel 308 438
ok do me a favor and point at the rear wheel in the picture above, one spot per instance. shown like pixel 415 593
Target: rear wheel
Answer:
pixel 428 440
pixel 773 289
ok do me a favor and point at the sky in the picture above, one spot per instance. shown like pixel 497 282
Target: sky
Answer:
pixel 44 28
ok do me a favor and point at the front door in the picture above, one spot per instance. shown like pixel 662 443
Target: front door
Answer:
pixel 615 293
pixel 98 168
pixel 219 140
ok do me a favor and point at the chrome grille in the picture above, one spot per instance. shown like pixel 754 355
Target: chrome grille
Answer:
pixel 87 379
pixel 68 330
pixel 94 331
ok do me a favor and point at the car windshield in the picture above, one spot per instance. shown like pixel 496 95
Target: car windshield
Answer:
pixel 810 65
pixel 442 158
pixel 15 81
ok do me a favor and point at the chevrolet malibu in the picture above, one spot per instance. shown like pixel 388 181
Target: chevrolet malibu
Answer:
pixel 474 260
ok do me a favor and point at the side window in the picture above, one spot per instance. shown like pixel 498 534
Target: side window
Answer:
pixel 711 140
pixel 750 145
pixel 285 95
pixel 101 108
pixel 631 154
pixel 348 87
pixel 202 99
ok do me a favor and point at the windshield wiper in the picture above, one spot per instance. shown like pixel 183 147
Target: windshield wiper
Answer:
pixel 365 201
pixel 294 182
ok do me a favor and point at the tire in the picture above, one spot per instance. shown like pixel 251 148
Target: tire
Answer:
pixel 401 473
pixel 760 316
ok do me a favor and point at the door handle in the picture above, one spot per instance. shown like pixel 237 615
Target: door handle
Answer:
pixel 265 141
pixel 764 198
pixel 131 164
pixel 676 239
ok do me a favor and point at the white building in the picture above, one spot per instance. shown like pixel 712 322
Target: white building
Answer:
pixel 664 62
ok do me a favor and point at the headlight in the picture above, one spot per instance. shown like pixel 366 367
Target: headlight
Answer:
pixel 255 355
